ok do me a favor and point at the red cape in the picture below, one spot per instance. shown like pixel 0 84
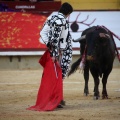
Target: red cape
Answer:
pixel 50 92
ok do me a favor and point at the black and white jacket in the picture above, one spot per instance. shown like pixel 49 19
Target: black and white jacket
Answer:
pixel 56 32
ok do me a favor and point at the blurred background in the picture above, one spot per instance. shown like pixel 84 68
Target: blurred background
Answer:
pixel 22 20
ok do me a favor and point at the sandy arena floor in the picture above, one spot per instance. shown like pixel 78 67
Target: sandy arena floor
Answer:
pixel 18 90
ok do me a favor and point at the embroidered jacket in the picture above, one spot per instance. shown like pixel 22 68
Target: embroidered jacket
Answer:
pixel 55 31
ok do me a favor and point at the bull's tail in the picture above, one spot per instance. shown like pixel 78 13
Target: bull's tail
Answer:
pixel 74 67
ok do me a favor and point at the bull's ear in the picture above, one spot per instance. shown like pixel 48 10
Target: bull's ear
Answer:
pixel 104 35
pixel 80 39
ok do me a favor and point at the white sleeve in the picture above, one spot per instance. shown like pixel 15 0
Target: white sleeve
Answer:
pixel 44 33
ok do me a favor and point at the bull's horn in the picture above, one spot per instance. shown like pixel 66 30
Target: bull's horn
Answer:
pixel 79 39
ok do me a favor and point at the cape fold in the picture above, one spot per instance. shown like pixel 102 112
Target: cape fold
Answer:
pixel 50 92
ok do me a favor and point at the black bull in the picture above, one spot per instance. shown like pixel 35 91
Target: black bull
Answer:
pixel 99 56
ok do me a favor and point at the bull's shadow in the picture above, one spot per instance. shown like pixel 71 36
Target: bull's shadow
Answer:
pixel 97 50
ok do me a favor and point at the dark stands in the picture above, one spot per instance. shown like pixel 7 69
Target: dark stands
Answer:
pixel 34 6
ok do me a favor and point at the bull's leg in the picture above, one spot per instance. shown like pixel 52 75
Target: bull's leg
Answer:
pixel 86 78
pixel 104 91
pixel 96 88
pixel 104 82
pixel 96 83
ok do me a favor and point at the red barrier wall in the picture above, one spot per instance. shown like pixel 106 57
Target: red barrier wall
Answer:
pixel 20 30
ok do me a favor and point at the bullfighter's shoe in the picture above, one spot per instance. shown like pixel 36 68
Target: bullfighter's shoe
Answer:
pixel 63 103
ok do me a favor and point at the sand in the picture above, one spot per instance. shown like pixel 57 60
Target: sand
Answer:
pixel 18 91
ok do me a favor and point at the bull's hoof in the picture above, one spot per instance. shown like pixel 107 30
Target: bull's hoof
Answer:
pixel 86 94
pixel 96 97
pixel 105 97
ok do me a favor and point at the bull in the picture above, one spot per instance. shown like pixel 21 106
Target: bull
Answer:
pixel 98 49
